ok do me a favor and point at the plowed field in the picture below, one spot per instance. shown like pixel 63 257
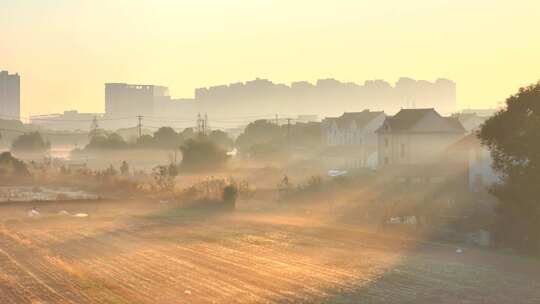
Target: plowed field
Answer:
pixel 157 255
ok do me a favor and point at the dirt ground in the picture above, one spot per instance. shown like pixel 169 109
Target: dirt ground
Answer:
pixel 151 252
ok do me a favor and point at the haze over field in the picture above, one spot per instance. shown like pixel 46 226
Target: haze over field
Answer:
pixel 66 50
pixel 269 151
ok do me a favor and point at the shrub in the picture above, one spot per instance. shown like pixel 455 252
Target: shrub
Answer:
pixel 230 194
pixel 30 142
pixel 164 177
pixel 200 154
pixel 11 166
pixel 107 142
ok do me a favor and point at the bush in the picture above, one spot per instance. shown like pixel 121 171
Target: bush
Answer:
pixel 221 139
pixel 167 138
pixel 30 142
pixel 199 154
pixel 11 166
pixel 230 194
pixel 111 141
pixel 164 177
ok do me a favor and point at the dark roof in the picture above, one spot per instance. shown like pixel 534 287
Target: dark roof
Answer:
pixel 360 118
pixel 405 119
pixel 455 123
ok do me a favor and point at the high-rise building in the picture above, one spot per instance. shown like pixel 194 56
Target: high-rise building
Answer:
pixel 10 95
pixel 123 99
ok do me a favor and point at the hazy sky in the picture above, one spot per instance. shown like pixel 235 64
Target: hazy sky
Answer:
pixel 66 49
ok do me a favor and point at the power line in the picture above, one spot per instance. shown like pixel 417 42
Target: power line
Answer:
pixel 59 119
pixel 43 133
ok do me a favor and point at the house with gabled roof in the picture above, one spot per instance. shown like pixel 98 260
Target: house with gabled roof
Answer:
pixel 352 137
pixel 416 137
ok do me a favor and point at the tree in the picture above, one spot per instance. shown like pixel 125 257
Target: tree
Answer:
pixel 30 142
pixel 124 168
pixel 11 166
pixel 188 133
pixel 166 137
pixel 145 141
pixel 111 141
pixel 258 132
pixel 202 154
pixel 230 194
pixel 513 137
pixel 221 139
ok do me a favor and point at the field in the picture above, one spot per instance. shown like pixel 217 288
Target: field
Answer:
pixel 147 252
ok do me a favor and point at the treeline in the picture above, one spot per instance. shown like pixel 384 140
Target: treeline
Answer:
pixel 260 139
pixel 264 139
pixel 163 138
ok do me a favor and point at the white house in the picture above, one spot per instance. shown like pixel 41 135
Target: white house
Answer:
pixel 416 137
pixel 351 137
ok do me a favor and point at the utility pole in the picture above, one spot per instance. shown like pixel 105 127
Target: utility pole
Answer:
pixel 289 135
pixel 199 124
pixel 205 124
pixel 139 126
pixel 94 127
pixel 95 124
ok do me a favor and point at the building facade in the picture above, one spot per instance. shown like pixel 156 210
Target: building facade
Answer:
pixel 351 138
pixel 126 100
pixel 10 96
pixel 416 137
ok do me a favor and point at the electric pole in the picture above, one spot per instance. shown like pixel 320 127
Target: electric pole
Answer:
pixel 94 127
pixel 199 124
pixel 289 135
pixel 205 124
pixel 139 126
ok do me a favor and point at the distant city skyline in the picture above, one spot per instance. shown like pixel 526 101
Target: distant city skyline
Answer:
pixel 65 50
pixel 235 104
pixel 10 95
pixel 263 98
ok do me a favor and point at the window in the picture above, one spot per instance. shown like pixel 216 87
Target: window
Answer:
pixel 386 142
pixel 402 151
pixel 386 161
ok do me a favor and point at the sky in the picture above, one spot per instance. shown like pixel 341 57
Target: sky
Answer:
pixel 65 50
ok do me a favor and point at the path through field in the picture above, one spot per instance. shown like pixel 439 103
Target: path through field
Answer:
pixel 243 258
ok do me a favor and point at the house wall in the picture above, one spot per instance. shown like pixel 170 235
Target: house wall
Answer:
pixel 365 139
pixel 481 174
pixel 416 146
pixel 370 142
pixel 413 148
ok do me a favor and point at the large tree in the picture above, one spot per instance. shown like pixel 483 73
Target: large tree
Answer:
pixel 167 138
pixel 259 132
pixel 221 139
pixel 30 142
pixel 513 137
pixel 202 154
